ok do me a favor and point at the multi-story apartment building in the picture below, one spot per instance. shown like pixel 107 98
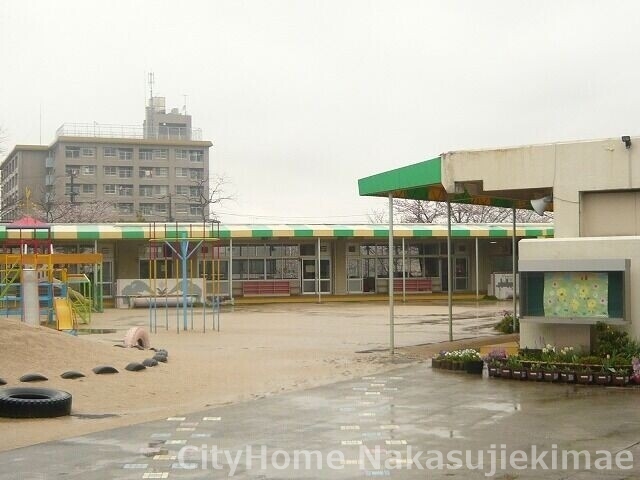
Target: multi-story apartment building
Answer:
pixel 155 172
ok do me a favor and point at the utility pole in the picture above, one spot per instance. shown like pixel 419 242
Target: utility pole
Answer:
pixel 170 208
pixel 72 191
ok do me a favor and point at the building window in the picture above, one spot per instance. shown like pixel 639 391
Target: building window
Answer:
pixel 196 173
pixel 110 171
pixel 194 192
pixel 146 208
pixel 125 190
pixel 145 154
pixel 182 190
pixel 72 152
pixel 161 208
pixel 71 169
pixel 145 172
pixel 145 190
pixel 182 209
pixel 125 172
pixel 181 154
pixel 182 172
pixel 110 152
pixel 88 152
pixel 109 189
pixel 125 153
pixel 160 154
pixel 125 208
pixel 89 170
pixel 195 210
pixel 196 156
pixel 89 188
pixel 162 172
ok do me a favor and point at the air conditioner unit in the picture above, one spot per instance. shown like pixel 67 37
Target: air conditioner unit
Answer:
pixel 148 173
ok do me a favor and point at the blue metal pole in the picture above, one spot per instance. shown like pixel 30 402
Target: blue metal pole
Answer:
pixel 184 247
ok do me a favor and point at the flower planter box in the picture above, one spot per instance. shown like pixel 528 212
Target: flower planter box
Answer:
pixel 494 371
pixel 551 376
pixel 457 366
pixel 584 378
pixel 445 364
pixel 505 373
pixel 602 379
pixel 519 374
pixel 534 375
pixel 620 380
pixel 435 363
pixel 474 366
pixel 568 377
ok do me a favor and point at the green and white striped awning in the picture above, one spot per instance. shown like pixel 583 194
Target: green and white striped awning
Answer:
pixel 145 231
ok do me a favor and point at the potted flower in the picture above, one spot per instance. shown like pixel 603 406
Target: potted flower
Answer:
pixel 635 375
pixel 472 361
pixel 550 373
pixel 584 375
pixel 603 377
pixel 518 372
pixel 620 377
pixel 535 372
pixel 494 360
pixel 568 374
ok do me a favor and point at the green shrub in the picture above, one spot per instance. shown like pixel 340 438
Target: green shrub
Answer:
pixel 506 324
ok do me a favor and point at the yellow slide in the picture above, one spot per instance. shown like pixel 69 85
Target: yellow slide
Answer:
pixel 64 315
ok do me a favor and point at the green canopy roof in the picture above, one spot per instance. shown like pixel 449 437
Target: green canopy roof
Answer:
pixel 412 181
pixel 423 181
pixel 143 231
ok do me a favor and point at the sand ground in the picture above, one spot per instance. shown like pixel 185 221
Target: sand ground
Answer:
pixel 259 351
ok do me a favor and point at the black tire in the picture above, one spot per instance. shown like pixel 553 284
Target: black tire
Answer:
pixel 150 362
pixel 72 375
pixel 135 367
pixel 33 377
pixel 26 402
pixel 103 369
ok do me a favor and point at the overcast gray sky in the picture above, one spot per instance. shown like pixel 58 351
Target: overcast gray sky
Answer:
pixel 302 98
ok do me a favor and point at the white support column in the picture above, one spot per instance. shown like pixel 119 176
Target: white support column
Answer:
pixel 477 271
pixel 513 259
pixel 318 271
pixel 449 272
pixel 30 299
pixel 404 275
pixel 231 269
pixel 390 289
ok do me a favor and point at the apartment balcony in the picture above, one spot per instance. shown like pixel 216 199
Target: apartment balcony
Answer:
pixel 99 130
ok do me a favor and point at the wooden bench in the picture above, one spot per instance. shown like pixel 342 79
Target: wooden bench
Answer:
pixel 266 287
pixel 413 285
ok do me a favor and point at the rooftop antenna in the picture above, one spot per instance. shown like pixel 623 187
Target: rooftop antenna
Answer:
pixel 184 106
pixel 151 126
pixel 151 80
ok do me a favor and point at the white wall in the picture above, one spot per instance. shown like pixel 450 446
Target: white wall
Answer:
pixel 579 249
pixel 568 168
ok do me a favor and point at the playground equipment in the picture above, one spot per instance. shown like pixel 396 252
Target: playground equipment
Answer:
pixel 191 250
pixel 34 282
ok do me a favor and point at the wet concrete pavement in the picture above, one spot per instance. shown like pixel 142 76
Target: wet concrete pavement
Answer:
pixel 411 407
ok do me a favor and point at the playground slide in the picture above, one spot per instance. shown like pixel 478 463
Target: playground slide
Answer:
pixel 64 316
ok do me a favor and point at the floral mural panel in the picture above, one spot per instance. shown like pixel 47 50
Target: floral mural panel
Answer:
pixel 576 294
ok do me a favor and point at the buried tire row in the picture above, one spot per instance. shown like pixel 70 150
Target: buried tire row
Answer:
pixel 34 402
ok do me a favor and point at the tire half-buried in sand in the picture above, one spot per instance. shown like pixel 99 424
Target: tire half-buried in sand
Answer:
pixel 137 337
pixel 23 402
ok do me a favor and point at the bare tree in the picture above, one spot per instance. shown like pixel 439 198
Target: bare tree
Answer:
pixel 48 209
pixel 216 195
pixel 418 211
